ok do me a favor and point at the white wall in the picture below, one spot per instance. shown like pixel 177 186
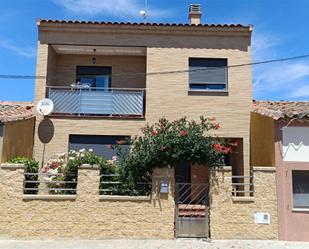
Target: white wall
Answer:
pixel 296 144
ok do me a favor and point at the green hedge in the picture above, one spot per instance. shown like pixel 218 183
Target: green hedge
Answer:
pixel 31 166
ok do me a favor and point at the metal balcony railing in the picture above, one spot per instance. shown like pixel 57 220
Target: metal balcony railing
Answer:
pixel 85 100
pixel 242 186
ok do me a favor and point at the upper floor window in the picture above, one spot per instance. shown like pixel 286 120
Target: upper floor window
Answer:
pixel 207 74
pixel 94 76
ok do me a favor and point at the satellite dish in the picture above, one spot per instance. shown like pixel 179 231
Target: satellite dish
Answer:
pixel 143 13
pixel 45 106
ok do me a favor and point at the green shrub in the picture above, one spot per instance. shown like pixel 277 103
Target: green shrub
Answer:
pixel 31 166
pixel 67 165
pixel 168 143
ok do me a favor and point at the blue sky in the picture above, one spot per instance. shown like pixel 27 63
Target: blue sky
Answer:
pixel 280 30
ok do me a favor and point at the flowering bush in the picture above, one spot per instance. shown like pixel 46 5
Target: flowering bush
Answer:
pixel 55 165
pixel 167 143
pixel 61 170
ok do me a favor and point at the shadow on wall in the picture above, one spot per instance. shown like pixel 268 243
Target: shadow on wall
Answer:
pixel 46 131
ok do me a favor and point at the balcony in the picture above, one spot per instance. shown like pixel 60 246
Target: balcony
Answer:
pixel 95 101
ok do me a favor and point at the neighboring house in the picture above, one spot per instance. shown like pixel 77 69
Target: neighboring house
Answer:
pixel 108 79
pixel 280 138
pixel 17 120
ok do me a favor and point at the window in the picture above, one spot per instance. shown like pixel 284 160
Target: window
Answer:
pixel 99 144
pixel 300 188
pixel 94 76
pixel 207 74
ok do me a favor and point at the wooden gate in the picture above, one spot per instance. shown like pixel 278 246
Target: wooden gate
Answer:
pixel 192 210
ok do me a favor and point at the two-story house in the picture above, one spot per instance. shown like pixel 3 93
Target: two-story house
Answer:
pixel 107 80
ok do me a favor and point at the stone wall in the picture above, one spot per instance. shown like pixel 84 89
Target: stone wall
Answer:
pixel 91 216
pixel 233 218
pixel 86 214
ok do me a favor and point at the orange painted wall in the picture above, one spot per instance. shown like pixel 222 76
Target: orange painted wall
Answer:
pixel 262 141
pixel 18 139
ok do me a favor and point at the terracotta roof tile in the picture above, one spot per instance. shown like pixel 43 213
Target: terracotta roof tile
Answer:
pixel 282 109
pixel 146 24
pixel 14 111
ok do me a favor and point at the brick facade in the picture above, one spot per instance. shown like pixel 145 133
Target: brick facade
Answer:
pixel 167 49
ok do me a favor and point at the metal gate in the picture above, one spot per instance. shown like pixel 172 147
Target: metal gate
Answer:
pixel 192 205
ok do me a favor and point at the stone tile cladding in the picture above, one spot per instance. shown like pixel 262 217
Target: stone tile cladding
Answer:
pixel 235 220
pixel 87 216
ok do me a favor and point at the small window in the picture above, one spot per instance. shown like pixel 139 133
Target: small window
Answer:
pixel 99 77
pixel 99 143
pixel 207 74
pixel 300 188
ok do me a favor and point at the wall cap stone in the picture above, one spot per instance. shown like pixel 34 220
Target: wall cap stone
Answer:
pixel 124 198
pixel 12 166
pixel 89 166
pixel 223 168
pixel 49 197
pixel 269 169
pixel 243 199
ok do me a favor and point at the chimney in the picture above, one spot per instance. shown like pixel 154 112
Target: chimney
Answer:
pixel 195 14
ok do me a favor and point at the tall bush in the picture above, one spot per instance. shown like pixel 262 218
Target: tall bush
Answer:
pixel 167 143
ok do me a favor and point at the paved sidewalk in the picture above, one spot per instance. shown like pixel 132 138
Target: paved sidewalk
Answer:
pixel 149 244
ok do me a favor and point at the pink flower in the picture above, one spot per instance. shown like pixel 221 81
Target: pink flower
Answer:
pixel 218 147
pixel 44 169
pixel 109 146
pixel 227 150
pixel 114 158
pixel 153 133
pixel 183 133
pixel 217 126
pixel 54 165
pixel 213 119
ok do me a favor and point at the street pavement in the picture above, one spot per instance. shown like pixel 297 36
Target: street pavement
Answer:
pixel 150 244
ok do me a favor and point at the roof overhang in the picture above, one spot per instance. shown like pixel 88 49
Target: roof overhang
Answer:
pixel 99 50
pixel 158 28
